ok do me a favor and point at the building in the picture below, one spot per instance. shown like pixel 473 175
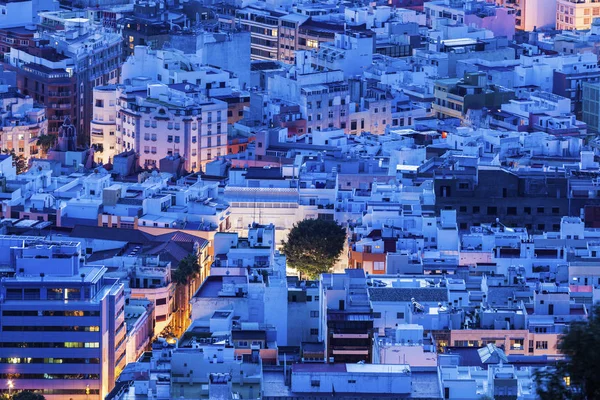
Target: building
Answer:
pixel 263 26
pixel 532 14
pixel 61 68
pixel 347 319
pixel 158 121
pixel 63 323
pixel 591 106
pixel 575 15
pixel 23 122
pixel 17 14
pixel 455 97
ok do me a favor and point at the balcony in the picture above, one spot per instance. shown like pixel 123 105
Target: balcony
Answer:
pixel 61 106
pixel 59 94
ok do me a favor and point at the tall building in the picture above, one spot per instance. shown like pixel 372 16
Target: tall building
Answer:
pixel 264 30
pixel 63 326
pixel 575 14
pixel 158 121
pixel 532 14
pixel 346 317
pixel 61 68
pixel 591 105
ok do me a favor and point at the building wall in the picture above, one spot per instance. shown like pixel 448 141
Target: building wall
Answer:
pixel 534 344
pixel 103 125
pixel 576 16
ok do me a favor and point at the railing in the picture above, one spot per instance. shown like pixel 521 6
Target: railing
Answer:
pixel 59 94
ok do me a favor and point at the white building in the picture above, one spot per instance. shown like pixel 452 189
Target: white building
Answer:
pixel 351 378
pixel 22 122
pixel 63 325
pixel 497 381
pixel 23 13
pixel 158 121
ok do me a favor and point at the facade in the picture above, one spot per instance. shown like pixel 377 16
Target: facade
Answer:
pixel 263 26
pixel 591 105
pixel 455 97
pixel 63 332
pixel 158 121
pixel 533 14
pixel 24 13
pixel 60 70
pixel 347 320
pixel 22 123
pixel 577 15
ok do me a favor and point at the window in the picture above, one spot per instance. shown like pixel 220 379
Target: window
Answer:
pixel 517 344
pixel 527 210
pixel 376 315
pixel 541 345
pixel 314 314
pixel 555 210
pixel 475 209
pixel 540 210
pixel 400 315
pixel 511 210
pixel 314 331
pixel 315 383
pixel 492 210
pixel 462 208
pixel 378 266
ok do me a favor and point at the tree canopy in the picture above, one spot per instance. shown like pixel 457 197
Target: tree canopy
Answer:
pixel 45 142
pixel 25 395
pixel 19 161
pixel 314 246
pixel 187 268
pixel 576 377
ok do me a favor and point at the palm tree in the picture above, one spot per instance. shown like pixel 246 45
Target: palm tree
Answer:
pixel 45 142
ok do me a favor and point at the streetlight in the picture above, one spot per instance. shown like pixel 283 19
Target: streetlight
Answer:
pixel 10 386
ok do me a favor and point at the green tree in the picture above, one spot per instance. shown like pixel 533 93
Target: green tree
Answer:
pixel 581 346
pixel 187 268
pixel 19 161
pixel 45 142
pixel 314 246
pixel 25 395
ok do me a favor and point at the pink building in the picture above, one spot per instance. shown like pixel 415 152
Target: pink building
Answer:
pixel 514 342
pixel 499 20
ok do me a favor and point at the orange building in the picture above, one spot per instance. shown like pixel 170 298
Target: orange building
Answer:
pixel 239 144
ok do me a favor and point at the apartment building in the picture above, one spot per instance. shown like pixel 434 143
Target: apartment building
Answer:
pixel 532 14
pixel 455 97
pixel 346 317
pixel 63 323
pixel 158 121
pixel 23 122
pixel 60 70
pixel 576 14
pixel 263 26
